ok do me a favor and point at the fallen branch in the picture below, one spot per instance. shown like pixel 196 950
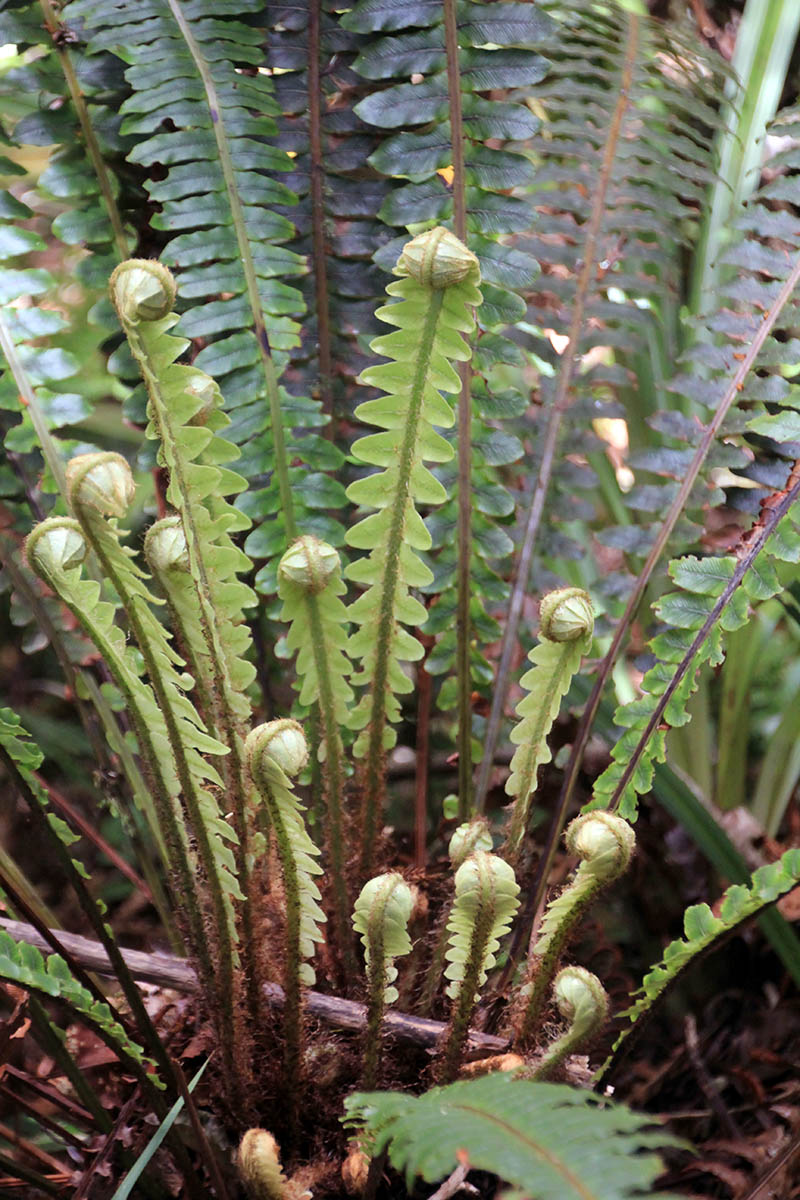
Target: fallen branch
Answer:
pixel 166 970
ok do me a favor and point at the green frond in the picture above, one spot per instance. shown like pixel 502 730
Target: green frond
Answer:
pixel 381 916
pixel 486 899
pixel 275 752
pixel 430 326
pixel 495 52
pixel 555 1142
pixel 702 929
pixel 555 661
pixel 25 966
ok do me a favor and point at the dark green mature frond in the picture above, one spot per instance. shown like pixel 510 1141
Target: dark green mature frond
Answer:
pixel 547 1140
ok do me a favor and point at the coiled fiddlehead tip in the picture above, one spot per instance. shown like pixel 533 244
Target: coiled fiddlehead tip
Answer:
pixel 165 545
pixel 565 615
pixel 56 544
pixel 280 743
pixel 604 841
pixel 259 1166
pixel 142 289
pixel 309 563
pixel 355 1171
pixel 438 259
pixel 581 998
pixel 102 481
pixel 469 837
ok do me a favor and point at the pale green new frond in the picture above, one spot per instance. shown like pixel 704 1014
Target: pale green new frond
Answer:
pixel 487 897
pixel 381 916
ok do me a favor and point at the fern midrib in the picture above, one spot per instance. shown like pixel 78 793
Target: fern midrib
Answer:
pixel 464 522
pixel 251 280
pixel 384 639
pixel 376 987
pixel 512 1133
pixel 31 403
pixel 465 1002
pixel 292 1012
pixel 570 360
pixel 333 771
pixel 319 262
pixel 54 26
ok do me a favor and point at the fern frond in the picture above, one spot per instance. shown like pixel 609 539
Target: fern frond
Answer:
pixel 25 966
pixel 624 151
pixel 486 899
pixel 310 586
pixel 432 318
pixel 381 916
pixel 702 929
pixel 461 167
pixel 547 1140
pixel 567 625
pixel 275 753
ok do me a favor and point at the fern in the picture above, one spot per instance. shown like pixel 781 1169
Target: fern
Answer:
pixel 436 293
pixel 622 157
pixel 544 1139
pixel 275 753
pixel 486 899
pixel 55 552
pixel 702 930
pixel 25 966
pixel 310 585
pixel 220 203
pixel 381 916
pixel 438 132
pixel 567 625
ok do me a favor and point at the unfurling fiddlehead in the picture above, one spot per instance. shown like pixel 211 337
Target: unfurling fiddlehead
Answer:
pixel 581 999
pixel 566 625
pixel 55 551
pixel 185 416
pixel 381 916
pixel 101 487
pixel 437 294
pixel 485 902
pixel 310 585
pixel 605 844
pixel 465 841
pixel 275 753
